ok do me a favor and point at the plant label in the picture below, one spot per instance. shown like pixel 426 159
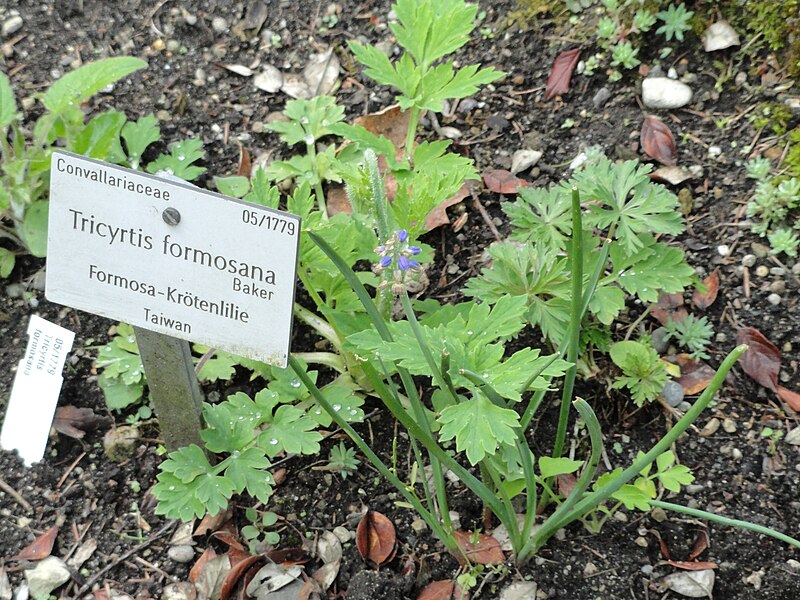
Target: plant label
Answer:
pixel 167 256
pixel 37 385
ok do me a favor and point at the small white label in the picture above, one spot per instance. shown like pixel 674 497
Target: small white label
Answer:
pixel 37 385
pixel 211 269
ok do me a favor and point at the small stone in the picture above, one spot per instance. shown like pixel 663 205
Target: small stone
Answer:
pixel 762 271
pixel 714 150
pixel 740 79
pixel 729 426
pixel 183 590
pixel 787 346
pixel 662 92
pixel 760 250
pixel 163 115
pixel 344 534
pixel 711 427
pixel 48 574
pixel 748 260
pixel 173 45
pixel 658 514
pixel 778 287
pixel 793 437
pixel 794 565
pixel 590 569
pixel 119 443
pixel 659 340
pixel 181 554
pixel 721 337
pixel 796 268
pixel 736 454
pixel 519 590
pixel 455 519
pixel 601 97
pixel 672 73
pixel 190 19
pixel 723 250
pixel 774 299
pixel 270 79
pixel 647 569
pixel 672 393
pixel 418 525
pixel 777 271
pixel 684 406
pixel 11 25
pixel 159 45
pixel 719 36
pixel 524 159
pixel 219 24
pixel 754 579
pixel 621 516
pixel 641 542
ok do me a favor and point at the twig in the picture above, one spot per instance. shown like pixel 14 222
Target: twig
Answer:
pixel 15 495
pixel 69 470
pixel 477 203
pixel 94 578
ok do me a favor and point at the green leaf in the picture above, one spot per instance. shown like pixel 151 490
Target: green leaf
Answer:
pixel 478 427
pixel 550 467
pixel 120 360
pixel 379 68
pixel 652 270
pixel 308 120
pixel 34 228
pixel 7 261
pixel 343 400
pixel 220 367
pixel 291 431
pixel 227 430
pixel 138 136
pixel 8 104
pixel 187 463
pixel 247 470
pixel 84 82
pixel 632 497
pixel 665 460
pixel 431 29
pixel 541 216
pixel 100 138
pixel 606 303
pixel 179 161
pixel 261 192
pixel 643 372
pixel 442 83
pixel 119 394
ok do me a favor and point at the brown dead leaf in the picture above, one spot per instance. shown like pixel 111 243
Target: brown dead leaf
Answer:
pixel 658 142
pixel 762 361
pixel 565 483
pixel 238 569
pixel 695 374
pixel 704 300
pixel 245 165
pixel 792 399
pixel 700 544
pixel 501 181
pixel 336 201
pixel 39 548
pixel 689 566
pixel 75 422
pixel 443 590
pixel 561 73
pixel 391 122
pixel 479 548
pixel 200 563
pixel 669 306
pixel 289 556
pixel 375 538
pixel 438 216
pixel 210 524
pixel 210 578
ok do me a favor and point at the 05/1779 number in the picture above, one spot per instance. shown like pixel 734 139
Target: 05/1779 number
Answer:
pixel 271 222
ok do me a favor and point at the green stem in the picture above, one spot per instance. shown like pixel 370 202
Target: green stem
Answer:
pixel 321 326
pixel 701 514
pixel 413 121
pixel 582 484
pixel 573 341
pixel 311 150
pixel 412 499
pixel 594 499
pixel 329 359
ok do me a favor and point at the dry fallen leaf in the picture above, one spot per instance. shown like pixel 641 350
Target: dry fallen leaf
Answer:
pixel 240 70
pixel 695 374
pixel 672 175
pixel 658 142
pixel 792 399
pixel 211 576
pixel 704 300
pixel 700 544
pixel 232 577
pixel 375 538
pixel 245 166
pixel 501 181
pixel 692 584
pixel 443 590
pixel 669 306
pixel 689 565
pixel 438 216
pixel 561 73
pixel 39 548
pixel 479 548
pixel 762 361
pixel 273 577
pixel 75 422
pixel 200 563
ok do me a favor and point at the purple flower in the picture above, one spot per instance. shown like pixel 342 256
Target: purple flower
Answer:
pixel 386 261
pixel 414 250
pixel 406 263
pixel 402 235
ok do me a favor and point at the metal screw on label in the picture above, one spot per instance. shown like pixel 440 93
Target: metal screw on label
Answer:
pixel 171 216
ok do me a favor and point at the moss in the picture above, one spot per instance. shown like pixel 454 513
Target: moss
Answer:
pixel 774 115
pixel 529 12
pixel 792 160
pixel 777 21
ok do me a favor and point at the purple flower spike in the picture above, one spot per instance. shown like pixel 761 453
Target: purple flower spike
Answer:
pixel 402 235
pixel 404 263
pixel 386 261
pixel 414 250
pixel 412 263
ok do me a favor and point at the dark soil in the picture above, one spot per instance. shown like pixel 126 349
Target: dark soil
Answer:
pixel 739 473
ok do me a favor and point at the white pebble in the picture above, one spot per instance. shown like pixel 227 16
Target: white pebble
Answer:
pixel 662 92
pixel 723 250
pixel 774 299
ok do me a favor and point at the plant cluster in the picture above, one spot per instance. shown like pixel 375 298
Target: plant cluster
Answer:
pixel 774 208
pixel 109 136
pixel 621 26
